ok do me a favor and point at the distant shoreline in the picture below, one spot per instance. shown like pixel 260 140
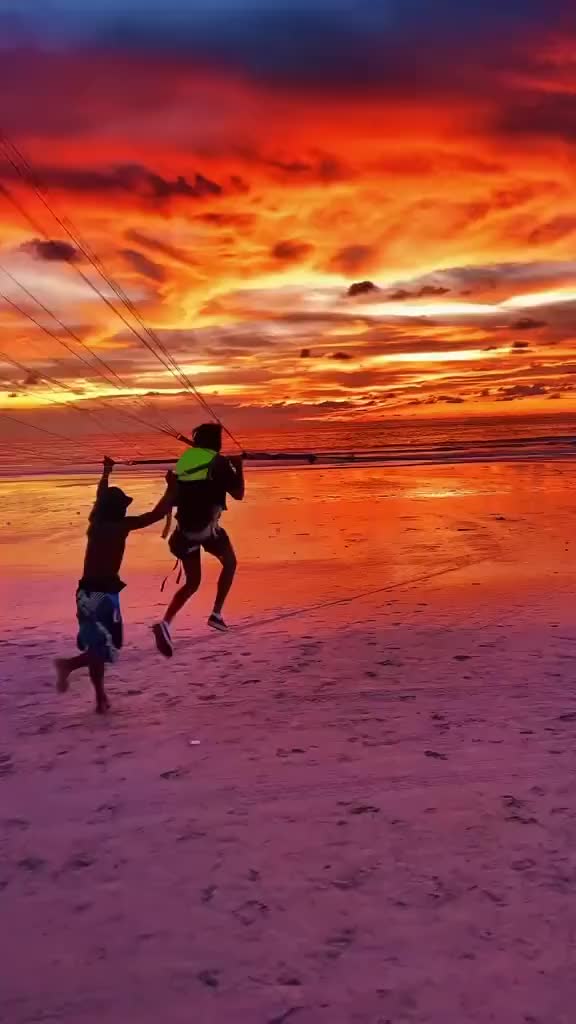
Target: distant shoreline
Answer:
pixel 526 451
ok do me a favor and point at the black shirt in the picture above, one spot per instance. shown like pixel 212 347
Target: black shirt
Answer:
pixel 200 502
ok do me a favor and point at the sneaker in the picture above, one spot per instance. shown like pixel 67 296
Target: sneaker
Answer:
pixel 163 639
pixel 217 622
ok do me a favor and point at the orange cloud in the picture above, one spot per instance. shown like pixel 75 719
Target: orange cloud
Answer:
pixel 236 214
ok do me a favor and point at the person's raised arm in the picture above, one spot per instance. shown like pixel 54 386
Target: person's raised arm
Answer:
pixel 108 466
pixel 160 510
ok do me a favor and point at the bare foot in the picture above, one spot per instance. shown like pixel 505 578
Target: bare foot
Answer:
pixel 62 675
pixel 102 706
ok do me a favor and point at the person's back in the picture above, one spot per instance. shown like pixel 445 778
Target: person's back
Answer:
pixel 204 478
pixel 104 555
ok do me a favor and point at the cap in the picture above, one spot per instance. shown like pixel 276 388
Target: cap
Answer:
pixel 114 500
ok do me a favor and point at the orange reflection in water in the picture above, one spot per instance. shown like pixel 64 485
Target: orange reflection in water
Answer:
pixel 303 536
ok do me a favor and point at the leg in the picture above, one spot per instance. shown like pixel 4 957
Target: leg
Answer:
pixel 100 637
pixel 193 575
pixel 64 668
pixel 221 547
pixel 97 667
pixel 225 580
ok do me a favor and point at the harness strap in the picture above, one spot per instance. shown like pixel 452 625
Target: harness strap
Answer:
pixel 173 569
pixel 167 526
pixel 193 470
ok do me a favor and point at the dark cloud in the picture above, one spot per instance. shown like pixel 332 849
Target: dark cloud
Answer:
pixel 526 323
pixel 172 252
pixel 253 336
pixel 321 167
pixel 353 258
pixel 493 279
pixel 341 357
pixel 237 184
pixel 401 50
pixel 306 353
pixel 52 251
pixel 362 288
pixel 291 166
pixel 510 394
pixel 144 265
pixel 430 290
pixel 334 403
pixel 276 45
pixel 291 250
pixel 363 44
pixel 520 346
pixel 426 292
pixel 550 115
pixel 228 220
pixel 131 178
pixel 450 399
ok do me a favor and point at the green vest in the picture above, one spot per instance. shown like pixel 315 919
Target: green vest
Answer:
pixel 194 464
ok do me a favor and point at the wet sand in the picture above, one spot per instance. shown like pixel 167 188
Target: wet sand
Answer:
pixel 359 808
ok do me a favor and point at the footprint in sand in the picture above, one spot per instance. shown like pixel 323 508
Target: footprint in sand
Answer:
pixel 364 809
pixel 32 864
pixel 288 980
pixel 523 865
pixel 209 978
pixel 338 944
pixel 250 912
pixel 18 824
pixel 174 773
pixel 283 1017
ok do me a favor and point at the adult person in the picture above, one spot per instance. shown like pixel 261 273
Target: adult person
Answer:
pixel 203 479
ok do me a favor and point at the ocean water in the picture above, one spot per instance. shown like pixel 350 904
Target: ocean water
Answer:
pixel 399 440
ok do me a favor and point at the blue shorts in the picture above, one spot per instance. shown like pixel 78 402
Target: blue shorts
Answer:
pixel 100 629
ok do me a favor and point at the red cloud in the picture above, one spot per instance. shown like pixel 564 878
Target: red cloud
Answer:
pixel 238 213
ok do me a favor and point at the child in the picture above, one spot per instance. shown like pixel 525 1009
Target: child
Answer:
pixel 97 598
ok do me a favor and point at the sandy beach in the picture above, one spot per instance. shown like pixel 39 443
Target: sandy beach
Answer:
pixel 357 808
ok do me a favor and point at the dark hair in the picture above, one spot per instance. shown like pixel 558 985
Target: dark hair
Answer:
pixel 208 435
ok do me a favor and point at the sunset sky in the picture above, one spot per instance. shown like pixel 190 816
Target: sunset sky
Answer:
pixel 357 209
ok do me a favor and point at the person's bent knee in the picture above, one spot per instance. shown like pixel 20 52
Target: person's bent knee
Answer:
pixel 189 589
